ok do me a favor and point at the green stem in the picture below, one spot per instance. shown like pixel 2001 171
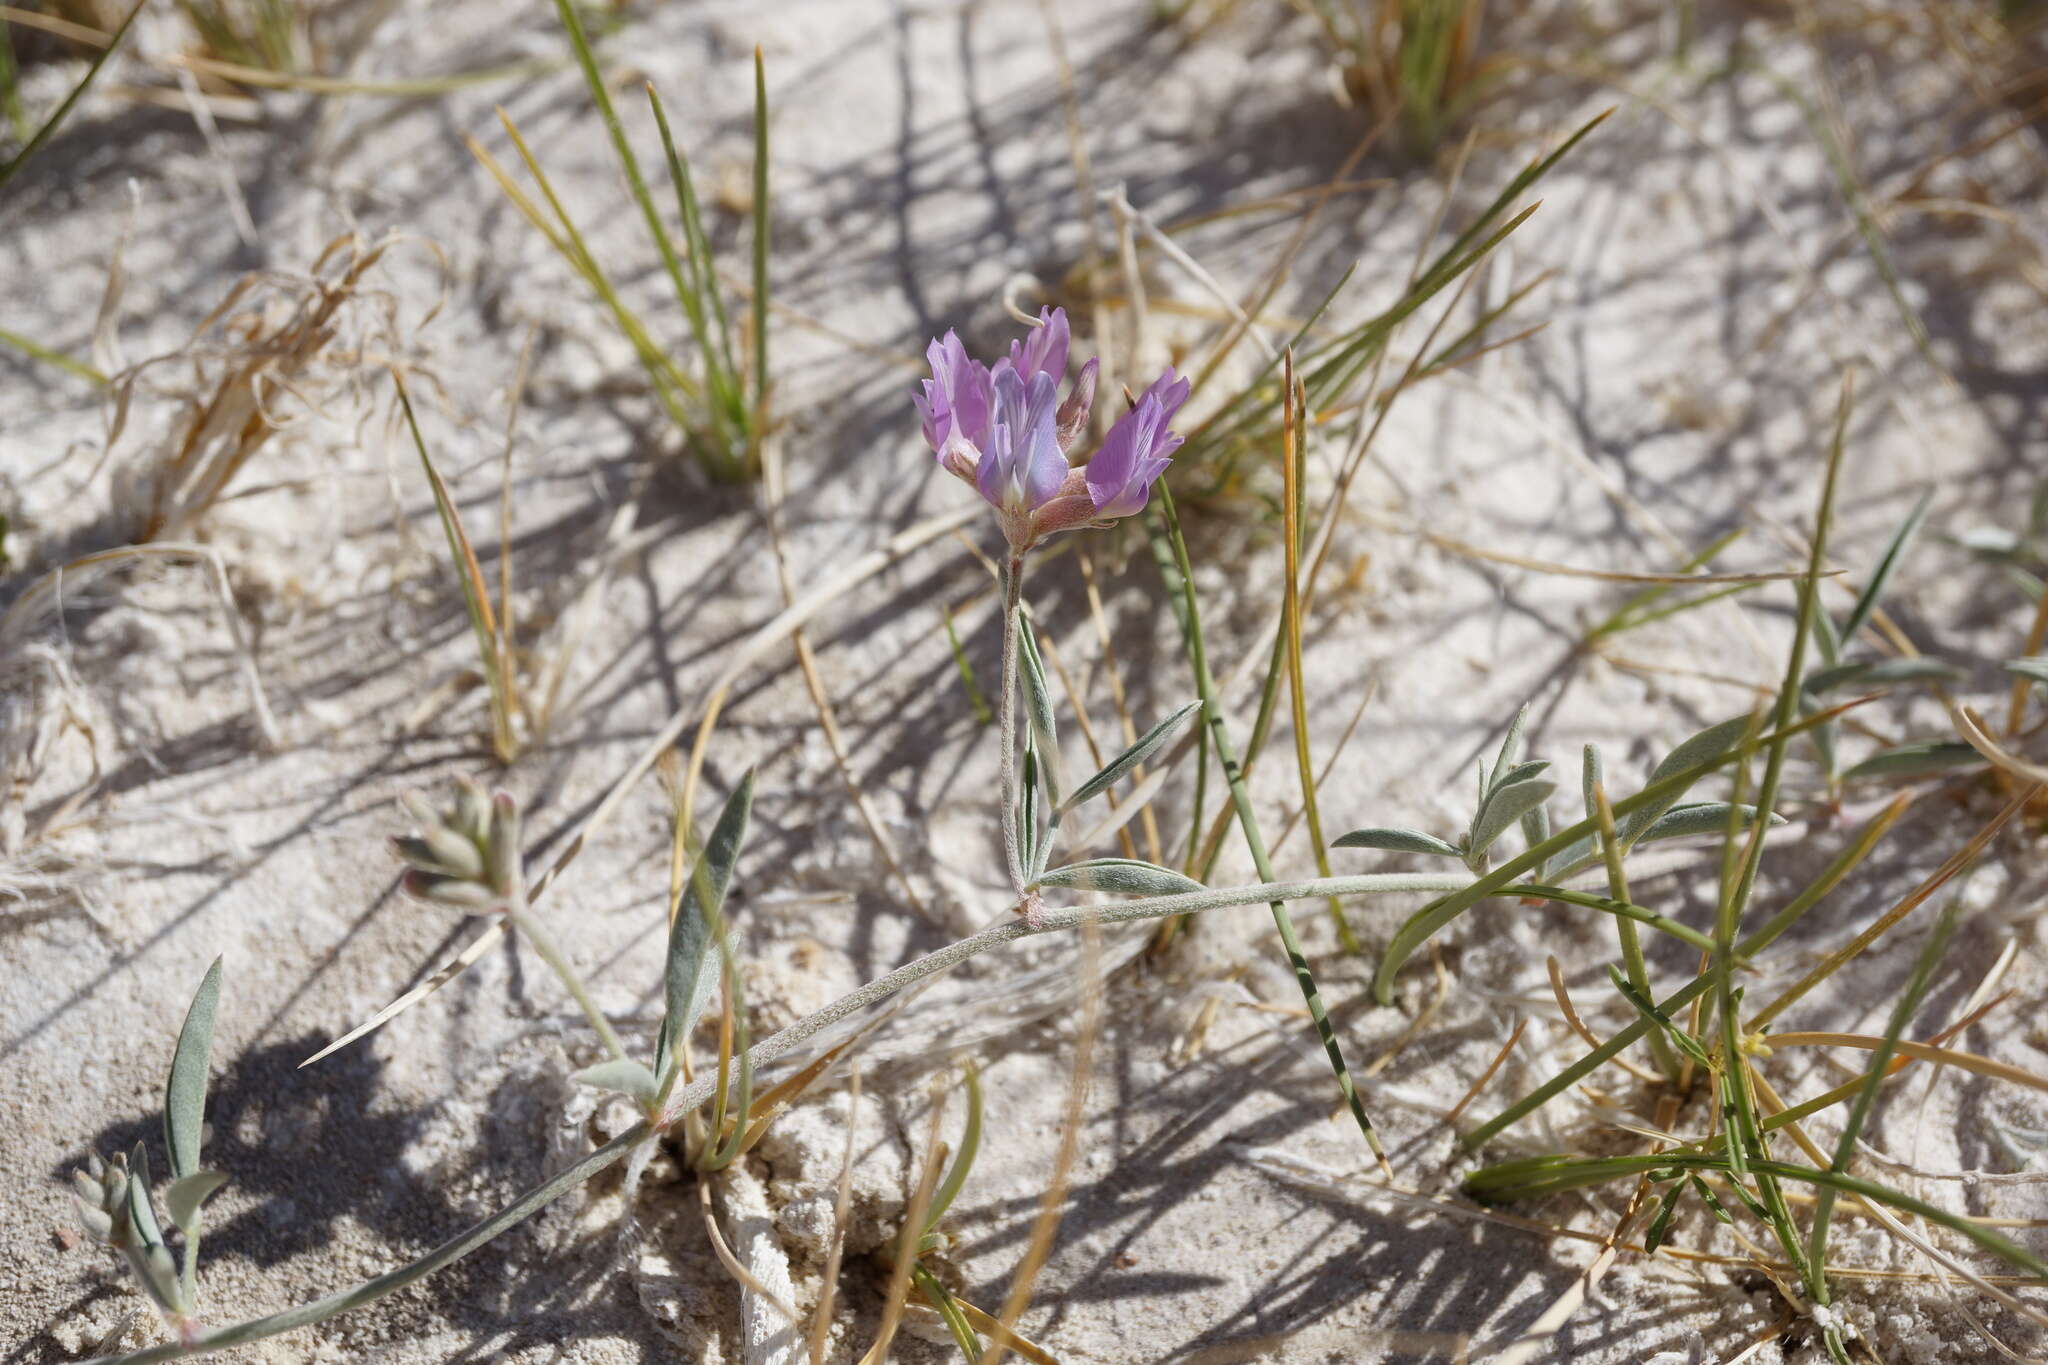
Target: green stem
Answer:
pixel 942 1302
pixel 1212 715
pixel 693 1096
pixel 56 119
pixel 1860 847
pixel 1013 594
pixel 188 1274
pixel 1632 961
pixel 551 953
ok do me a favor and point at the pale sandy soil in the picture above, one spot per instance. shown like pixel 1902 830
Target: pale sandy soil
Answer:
pixel 1708 288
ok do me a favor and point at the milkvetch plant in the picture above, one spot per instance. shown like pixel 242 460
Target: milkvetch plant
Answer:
pixel 1005 430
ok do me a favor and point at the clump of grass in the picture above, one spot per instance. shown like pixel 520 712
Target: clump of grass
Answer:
pixel 1415 60
pixel 265 35
pixel 719 403
pixel 524 685
pixel 279 347
pixel 1703 1033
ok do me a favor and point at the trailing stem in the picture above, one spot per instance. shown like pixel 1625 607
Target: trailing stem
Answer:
pixel 693 1096
pixel 1013 595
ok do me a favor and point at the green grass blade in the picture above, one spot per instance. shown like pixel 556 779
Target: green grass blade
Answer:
pixel 762 227
pixel 62 111
pixel 1858 849
pixel 1881 576
pixel 1212 714
pixel 475 595
pixel 1427 921
pixel 35 350
pixel 963 1161
pixel 1880 1064
pixel 1547 1175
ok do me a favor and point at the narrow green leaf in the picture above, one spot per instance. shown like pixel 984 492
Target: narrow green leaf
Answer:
pixel 1903 1010
pixel 1643 1006
pixel 1114 771
pixel 759 417
pixel 1397 840
pixel 1887 564
pixel 183 1196
pixel 1129 876
pixel 1510 744
pixel 1704 747
pixel 185 1091
pixel 51 124
pixel 963 1161
pixel 1707 1197
pixel 689 933
pixel 1535 834
pixel 1508 804
pixel 1038 703
pixel 2035 668
pixel 1519 772
pixel 141 1213
pixel 1027 809
pixel 625 1076
pixel 1917 760
pixel 1879 673
pixel 1700 817
pixel 1659 1225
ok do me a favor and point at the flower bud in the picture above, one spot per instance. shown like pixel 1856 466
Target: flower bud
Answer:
pixel 451 891
pixel 1072 419
pixel 472 809
pixel 504 843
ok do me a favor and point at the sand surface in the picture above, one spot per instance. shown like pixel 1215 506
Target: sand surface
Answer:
pixel 1706 288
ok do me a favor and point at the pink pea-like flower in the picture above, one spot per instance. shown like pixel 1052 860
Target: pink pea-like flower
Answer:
pixel 1003 429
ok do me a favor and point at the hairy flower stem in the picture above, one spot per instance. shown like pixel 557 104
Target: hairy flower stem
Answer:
pixel 693 1096
pixel 524 922
pixel 188 1271
pixel 1013 595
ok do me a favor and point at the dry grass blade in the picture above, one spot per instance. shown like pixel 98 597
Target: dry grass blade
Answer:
pixel 493 650
pixel 1962 1061
pixel 897 1295
pixel 842 1203
pixel 25 614
pixel 1050 1208
pixel 1941 876
pixel 775 491
pixel 1459 547
pixel 1974 732
pixel 1473 1091
pixel 733 1266
pixel 1293 461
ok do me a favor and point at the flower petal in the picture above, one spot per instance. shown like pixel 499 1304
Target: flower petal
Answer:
pixel 1044 350
pixel 1135 453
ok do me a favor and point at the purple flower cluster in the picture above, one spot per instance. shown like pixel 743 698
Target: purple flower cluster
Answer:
pixel 1003 429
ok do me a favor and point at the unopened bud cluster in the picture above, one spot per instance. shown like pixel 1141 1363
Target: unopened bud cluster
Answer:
pixel 113 1207
pixel 467 855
